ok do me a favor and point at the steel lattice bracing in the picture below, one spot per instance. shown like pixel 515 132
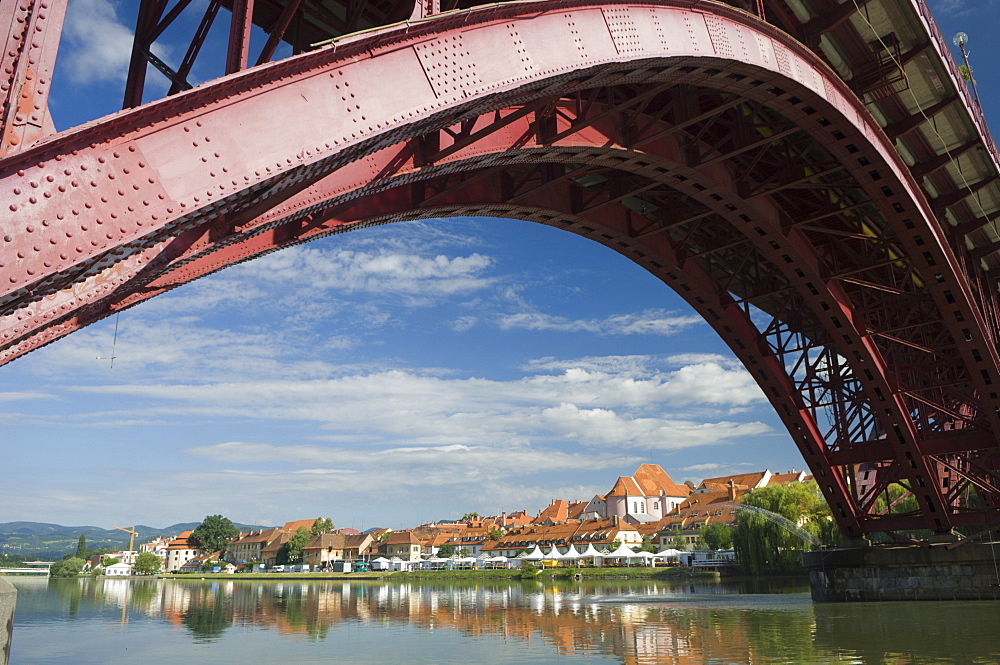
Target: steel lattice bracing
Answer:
pixel 709 147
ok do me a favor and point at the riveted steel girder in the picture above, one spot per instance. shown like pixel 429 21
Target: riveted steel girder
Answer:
pixel 701 143
pixel 26 63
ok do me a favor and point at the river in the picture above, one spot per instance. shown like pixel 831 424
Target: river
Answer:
pixel 111 621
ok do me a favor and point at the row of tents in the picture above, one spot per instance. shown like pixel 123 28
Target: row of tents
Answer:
pixel 590 556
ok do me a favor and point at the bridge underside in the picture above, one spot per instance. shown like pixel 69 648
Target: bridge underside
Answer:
pixel 703 144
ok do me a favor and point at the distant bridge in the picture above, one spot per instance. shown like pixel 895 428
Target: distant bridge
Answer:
pixel 34 568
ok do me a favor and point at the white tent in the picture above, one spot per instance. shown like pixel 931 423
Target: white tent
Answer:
pixel 533 555
pixel 396 563
pixel 590 552
pixel 461 562
pixel 647 557
pixel 433 562
pixel 623 552
pixel 669 553
pixel 556 555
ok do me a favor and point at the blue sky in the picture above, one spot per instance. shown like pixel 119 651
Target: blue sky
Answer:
pixel 384 377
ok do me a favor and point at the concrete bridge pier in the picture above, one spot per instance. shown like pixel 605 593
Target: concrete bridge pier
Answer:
pixel 905 572
pixel 8 597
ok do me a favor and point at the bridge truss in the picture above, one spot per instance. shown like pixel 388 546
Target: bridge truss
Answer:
pixel 761 160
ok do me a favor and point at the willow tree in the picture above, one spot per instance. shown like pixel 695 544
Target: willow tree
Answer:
pixel 766 543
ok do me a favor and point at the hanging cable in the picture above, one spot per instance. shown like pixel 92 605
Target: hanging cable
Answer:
pixel 114 343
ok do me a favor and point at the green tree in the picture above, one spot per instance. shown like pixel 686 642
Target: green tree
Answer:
pixel 494 533
pixel 676 540
pixel 896 499
pixel 110 561
pixel 206 617
pixel 470 516
pixel 147 562
pixel 68 567
pixel 463 552
pixel 81 547
pixel 291 551
pixel 647 544
pixel 215 532
pixel 446 550
pixel 322 525
pixel 529 570
pixel 764 546
pixel 716 536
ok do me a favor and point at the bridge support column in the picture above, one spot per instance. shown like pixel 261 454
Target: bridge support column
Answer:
pixel 905 572
pixel 8 597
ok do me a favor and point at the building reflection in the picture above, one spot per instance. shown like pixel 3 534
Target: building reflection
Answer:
pixel 641 624
pixel 632 623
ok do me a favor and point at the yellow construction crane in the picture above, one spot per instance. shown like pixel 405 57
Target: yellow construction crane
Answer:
pixel 132 534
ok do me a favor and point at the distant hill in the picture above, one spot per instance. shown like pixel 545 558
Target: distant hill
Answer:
pixel 51 541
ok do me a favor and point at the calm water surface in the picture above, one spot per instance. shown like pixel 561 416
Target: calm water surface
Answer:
pixel 286 623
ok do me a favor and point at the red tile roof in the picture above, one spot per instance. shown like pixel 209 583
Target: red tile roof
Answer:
pixel 292 527
pixel 745 479
pixel 560 511
pixel 599 531
pixel 648 480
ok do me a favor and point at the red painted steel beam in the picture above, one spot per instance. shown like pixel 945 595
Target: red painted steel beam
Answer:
pixel 103 216
pixel 146 22
pixel 239 36
pixel 32 29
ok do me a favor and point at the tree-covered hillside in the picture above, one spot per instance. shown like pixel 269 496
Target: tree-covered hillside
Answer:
pixel 51 541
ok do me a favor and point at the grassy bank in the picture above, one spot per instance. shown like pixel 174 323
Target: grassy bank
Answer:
pixel 271 576
pixel 503 574
pixel 558 573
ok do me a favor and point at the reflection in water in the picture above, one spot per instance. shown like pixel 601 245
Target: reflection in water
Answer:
pixel 634 623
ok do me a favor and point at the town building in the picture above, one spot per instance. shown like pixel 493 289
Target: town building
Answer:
pixel 325 548
pixel 197 563
pixel 119 569
pixel 714 501
pixel 602 533
pixel 157 547
pixel 646 496
pixel 402 544
pixel 559 511
pixel 180 550
pixel 248 547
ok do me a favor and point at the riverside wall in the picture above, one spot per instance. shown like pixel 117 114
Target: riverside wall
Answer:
pixel 8 598
pixel 905 572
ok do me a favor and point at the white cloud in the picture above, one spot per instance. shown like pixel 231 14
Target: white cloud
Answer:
pixel 710 383
pixel 634 365
pixel 650 322
pixel 373 272
pixel 374 469
pixel 447 409
pixel 174 349
pixel 101 45
pixel 463 323
pixel 604 427
pixel 955 7
pixel 699 358
pixel 18 396
pixel 710 466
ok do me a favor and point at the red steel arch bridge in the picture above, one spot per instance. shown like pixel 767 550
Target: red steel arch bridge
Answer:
pixel 814 177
